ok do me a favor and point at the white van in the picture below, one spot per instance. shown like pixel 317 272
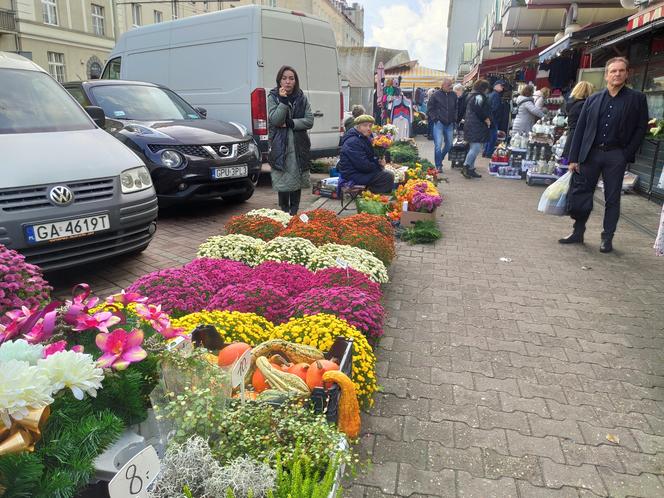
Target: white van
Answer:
pixel 70 193
pixel 227 62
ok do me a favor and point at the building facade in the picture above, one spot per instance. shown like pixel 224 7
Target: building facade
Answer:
pixel 463 23
pixel 72 38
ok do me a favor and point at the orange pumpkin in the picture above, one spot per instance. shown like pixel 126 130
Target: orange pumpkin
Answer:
pixel 316 370
pixel 231 353
pixel 258 379
pixel 299 369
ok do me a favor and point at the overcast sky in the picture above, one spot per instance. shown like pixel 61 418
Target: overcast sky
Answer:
pixel 416 25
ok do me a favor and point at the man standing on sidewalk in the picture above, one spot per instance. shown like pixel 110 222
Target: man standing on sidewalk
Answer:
pixel 609 131
pixel 496 105
pixel 442 111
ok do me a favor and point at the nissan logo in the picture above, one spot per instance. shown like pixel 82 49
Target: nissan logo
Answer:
pixel 224 151
pixel 61 196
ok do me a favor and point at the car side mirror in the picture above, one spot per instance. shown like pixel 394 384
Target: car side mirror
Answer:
pixel 202 111
pixel 97 115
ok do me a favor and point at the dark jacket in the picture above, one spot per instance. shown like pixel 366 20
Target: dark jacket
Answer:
pixel 496 106
pixel 357 162
pixel 298 119
pixel 475 129
pixel 443 107
pixel 461 106
pixel 632 128
pixel 573 110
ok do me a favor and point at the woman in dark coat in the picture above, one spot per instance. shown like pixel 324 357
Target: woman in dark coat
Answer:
pixel 476 126
pixel 580 93
pixel 290 117
pixel 357 161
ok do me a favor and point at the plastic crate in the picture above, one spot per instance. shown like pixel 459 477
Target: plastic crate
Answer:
pixel 326 401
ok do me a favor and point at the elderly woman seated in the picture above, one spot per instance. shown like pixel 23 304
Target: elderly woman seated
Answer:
pixel 357 161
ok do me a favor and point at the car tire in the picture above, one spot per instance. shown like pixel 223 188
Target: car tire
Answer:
pixel 236 199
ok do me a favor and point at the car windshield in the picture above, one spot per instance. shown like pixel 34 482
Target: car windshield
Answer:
pixel 33 102
pixel 142 103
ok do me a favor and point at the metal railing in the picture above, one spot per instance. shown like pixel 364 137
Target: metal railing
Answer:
pixel 7 21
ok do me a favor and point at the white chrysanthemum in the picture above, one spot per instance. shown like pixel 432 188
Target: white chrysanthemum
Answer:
pixel 274 214
pixel 75 371
pixel 236 247
pixel 329 255
pixel 20 350
pixel 23 387
pixel 294 250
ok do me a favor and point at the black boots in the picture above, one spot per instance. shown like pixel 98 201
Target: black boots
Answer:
pixel 474 174
pixel 576 237
pixel 607 244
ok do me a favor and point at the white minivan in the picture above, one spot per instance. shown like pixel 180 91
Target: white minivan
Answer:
pixel 70 193
pixel 227 61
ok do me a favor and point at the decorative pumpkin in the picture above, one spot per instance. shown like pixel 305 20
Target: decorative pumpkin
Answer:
pixel 316 370
pixel 231 353
pixel 348 416
pixel 299 369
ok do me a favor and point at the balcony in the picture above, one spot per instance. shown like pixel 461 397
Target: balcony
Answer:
pixel 7 21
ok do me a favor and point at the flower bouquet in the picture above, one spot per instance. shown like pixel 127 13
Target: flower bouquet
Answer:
pixel 380 144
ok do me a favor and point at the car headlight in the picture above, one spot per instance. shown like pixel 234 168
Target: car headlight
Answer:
pixel 171 159
pixel 135 180
pixel 253 148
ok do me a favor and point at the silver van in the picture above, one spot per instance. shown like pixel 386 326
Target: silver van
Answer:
pixel 70 193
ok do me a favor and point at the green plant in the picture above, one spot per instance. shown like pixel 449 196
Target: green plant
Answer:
pixel 403 152
pixel 320 167
pixel 302 480
pixel 424 232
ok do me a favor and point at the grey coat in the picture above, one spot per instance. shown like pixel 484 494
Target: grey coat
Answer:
pixel 527 114
pixel 293 177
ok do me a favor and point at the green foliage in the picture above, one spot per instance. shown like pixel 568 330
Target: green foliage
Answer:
pixel 403 152
pixel 320 167
pixel 424 232
pixel 304 480
pixel 19 473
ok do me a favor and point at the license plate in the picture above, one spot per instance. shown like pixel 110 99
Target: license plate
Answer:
pixel 68 229
pixel 229 172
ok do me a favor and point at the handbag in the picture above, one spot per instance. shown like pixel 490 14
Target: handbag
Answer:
pixel 580 197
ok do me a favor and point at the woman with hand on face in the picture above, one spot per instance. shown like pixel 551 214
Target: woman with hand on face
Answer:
pixel 289 118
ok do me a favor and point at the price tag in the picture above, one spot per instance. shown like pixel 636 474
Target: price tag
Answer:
pixel 240 369
pixel 304 218
pixel 342 263
pixel 134 478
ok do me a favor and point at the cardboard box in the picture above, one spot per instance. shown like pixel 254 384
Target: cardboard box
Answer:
pixel 409 218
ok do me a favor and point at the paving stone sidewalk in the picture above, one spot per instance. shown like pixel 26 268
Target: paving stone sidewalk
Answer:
pixel 539 377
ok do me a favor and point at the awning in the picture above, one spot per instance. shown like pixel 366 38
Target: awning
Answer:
pixel 413 75
pixel 501 64
pixel 555 49
pixel 645 17
pixel 629 35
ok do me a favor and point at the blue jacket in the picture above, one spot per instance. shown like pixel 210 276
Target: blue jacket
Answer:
pixel 357 162
pixel 496 105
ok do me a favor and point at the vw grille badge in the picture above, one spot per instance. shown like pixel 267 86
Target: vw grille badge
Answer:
pixel 61 196
pixel 224 151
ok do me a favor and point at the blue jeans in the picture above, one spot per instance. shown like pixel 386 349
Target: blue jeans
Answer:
pixel 442 132
pixel 473 151
pixel 491 144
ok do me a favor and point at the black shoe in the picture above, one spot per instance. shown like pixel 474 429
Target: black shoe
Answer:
pixel 606 245
pixel 474 174
pixel 573 238
pixel 464 172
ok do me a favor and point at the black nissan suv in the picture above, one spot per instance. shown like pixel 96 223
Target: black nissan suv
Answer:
pixel 189 157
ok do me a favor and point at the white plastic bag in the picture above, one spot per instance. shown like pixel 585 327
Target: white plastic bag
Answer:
pixel 554 198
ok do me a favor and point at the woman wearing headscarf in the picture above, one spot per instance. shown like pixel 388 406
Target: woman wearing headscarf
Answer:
pixel 289 116
pixel 580 93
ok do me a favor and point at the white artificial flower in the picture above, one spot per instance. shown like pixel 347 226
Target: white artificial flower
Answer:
pixel 23 387
pixel 20 350
pixel 75 371
pixel 274 214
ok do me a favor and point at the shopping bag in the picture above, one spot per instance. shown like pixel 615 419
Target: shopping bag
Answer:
pixel 554 198
pixel 580 197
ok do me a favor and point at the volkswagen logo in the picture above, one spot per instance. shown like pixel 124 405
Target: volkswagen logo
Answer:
pixel 61 196
pixel 224 151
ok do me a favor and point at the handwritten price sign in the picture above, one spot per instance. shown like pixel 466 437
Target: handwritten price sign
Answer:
pixel 133 480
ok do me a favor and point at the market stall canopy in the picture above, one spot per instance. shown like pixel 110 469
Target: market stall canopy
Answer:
pixel 584 35
pixel 413 75
pixel 502 64
pixel 629 35
pixel 358 64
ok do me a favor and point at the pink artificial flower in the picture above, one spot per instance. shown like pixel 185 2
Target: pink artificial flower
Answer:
pixel 125 298
pixel 56 347
pixel 120 348
pixel 79 304
pixel 152 313
pixel 170 332
pixel 78 349
pixel 38 333
pixel 18 317
pixel 100 321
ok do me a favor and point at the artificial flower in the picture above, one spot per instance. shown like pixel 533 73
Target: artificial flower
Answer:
pixel 16 318
pixel 125 298
pixel 74 371
pixel 20 350
pixel 120 348
pixel 152 314
pixel 23 387
pixel 100 321
pixel 55 347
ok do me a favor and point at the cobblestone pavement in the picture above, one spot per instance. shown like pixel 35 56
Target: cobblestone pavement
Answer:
pixel 539 377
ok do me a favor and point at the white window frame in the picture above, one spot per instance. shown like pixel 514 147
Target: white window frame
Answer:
pixel 56 66
pixel 50 12
pixel 98 25
pixel 157 16
pixel 175 11
pixel 136 15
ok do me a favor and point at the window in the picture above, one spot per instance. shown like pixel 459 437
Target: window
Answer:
pixel 136 16
pixel 98 20
pixel 158 16
pixel 78 93
pixel 50 12
pixel 112 69
pixel 56 66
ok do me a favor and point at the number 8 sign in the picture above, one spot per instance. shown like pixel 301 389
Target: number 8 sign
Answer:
pixel 134 478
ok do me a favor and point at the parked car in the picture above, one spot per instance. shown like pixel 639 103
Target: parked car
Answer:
pixel 69 192
pixel 189 157
pixel 227 62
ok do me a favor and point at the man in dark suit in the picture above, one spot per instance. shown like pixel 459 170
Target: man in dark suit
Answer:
pixel 609 131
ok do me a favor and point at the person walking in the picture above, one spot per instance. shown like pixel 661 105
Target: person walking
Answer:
pixel 289 117
pixel 582 90
pixel 477 123
pixel 610 129
pixel 459 91
pixel 442 110
pixel 430 93
pixel 495 105
pixel 527 112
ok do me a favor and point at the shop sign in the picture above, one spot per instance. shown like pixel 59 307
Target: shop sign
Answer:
pixel 645 17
